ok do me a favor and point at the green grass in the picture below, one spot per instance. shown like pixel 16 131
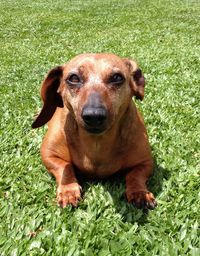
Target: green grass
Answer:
pixel 163 36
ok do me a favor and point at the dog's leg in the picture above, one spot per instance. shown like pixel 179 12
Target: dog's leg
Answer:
pixel 68 189
pixel 136 190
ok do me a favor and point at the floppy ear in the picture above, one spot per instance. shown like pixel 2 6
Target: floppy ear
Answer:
pixel 50 96
pixel 137 81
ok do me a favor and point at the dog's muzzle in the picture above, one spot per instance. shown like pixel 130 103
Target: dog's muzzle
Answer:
pixel 94 114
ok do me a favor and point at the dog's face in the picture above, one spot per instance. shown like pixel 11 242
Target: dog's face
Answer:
pixel 96 88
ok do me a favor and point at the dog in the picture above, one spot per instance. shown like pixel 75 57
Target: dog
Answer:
pixel 94 127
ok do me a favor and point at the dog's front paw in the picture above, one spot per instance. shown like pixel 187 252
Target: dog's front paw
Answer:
pixel 142 199
pixel 68 194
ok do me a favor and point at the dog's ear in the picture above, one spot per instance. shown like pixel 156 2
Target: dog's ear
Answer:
pixel 50 96
pixel 137 81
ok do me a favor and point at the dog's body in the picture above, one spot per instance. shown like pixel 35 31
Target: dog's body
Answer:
pixel 94 126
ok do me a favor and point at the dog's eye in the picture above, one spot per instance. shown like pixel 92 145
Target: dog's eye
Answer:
pixel 117 79
pixel 73 79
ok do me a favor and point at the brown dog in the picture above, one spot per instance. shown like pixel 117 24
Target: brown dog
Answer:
pixel 94 126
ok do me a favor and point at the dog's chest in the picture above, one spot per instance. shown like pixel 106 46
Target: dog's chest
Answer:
pixel 96 161
pixel 96 168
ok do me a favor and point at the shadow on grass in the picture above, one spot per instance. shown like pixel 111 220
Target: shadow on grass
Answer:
pixel 116 188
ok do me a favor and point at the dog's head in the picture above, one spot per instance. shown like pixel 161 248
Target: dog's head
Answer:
pixel 96 88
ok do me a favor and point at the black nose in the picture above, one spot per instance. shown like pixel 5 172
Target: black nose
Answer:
pixel 94 117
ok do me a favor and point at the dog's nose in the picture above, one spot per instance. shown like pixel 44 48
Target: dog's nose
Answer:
pixel 94 117
pixel 94 114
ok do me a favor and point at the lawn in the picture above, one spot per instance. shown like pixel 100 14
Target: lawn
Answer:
pixel 164 38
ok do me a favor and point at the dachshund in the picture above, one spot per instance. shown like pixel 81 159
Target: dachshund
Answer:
pixel 94 127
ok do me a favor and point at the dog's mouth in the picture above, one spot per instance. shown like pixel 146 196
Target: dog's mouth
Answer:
pixel 94 130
